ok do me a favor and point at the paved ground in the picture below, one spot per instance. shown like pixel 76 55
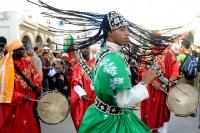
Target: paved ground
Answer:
pixel 64 127
pixel 176 125
pixel 183 124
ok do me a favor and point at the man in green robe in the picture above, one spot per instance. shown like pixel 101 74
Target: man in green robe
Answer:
pixel 112 84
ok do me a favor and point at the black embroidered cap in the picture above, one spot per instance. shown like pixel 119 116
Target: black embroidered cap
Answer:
pixel 112 21
pixel 116 20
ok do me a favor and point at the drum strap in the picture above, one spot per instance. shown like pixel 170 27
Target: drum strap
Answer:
pixel 85 67
pixel 161 77
pixel 25 78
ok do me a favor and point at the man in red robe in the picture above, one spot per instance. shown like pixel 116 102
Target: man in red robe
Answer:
pixel 82 95
pixel 154 110
pixel 19 115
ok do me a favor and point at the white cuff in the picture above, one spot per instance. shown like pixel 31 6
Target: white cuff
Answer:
pixel 141 91
pixel 132 96
pixel 79 90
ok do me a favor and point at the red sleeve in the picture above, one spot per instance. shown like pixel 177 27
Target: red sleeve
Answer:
pixel 77 75
pixel 35 78
pixel 175 64
pixel 141 72
pixel 175 70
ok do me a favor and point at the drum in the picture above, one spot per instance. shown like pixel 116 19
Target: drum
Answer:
pixel 183 99
pixel 52 107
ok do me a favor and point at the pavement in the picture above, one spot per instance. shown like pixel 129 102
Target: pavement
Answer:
pixel 66 126
pixel 176 125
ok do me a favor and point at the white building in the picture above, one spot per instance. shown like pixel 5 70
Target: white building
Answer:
pixel 25 27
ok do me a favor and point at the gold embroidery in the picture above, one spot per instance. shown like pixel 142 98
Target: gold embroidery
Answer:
pixel 21 81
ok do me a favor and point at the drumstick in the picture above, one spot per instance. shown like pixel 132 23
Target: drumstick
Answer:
pixel 34 100
pixel 87 98
pixel 170 95
pixel 133 108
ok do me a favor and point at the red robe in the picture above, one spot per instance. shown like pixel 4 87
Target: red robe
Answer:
pixel 18 116
pixel 154 110
pixel 79 106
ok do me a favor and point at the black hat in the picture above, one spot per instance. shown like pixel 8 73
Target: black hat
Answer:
pixel 112 21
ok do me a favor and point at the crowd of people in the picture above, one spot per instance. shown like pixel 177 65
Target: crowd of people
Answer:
pixel 100 89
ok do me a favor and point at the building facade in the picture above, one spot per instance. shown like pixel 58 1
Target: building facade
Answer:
pixel 16 25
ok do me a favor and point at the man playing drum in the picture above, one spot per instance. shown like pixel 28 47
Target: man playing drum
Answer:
pixel 154 110
pixel 16 111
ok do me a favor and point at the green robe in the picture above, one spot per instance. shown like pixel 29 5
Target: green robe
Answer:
pixel 110 77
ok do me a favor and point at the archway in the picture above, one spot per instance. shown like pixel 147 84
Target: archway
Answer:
pixel 26 41
pixel 49 43
pixel 39 42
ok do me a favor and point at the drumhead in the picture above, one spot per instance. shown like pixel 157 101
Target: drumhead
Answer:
pixel 53 107
pixel 187 99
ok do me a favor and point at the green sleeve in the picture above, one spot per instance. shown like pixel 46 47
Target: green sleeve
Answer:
pixel 116 72
pixel 180 58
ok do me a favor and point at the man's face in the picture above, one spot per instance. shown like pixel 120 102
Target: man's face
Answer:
pixel 85 52
pixel 120 35
pixel 46 56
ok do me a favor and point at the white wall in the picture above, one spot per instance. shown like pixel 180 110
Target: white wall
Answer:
pixel 9 25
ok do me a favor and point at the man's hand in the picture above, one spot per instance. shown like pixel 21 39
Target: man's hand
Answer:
pixel 156 85
pixel 26 98
pixel 84 97
pixel 149 76
pixel 35 87
pixel 172 81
